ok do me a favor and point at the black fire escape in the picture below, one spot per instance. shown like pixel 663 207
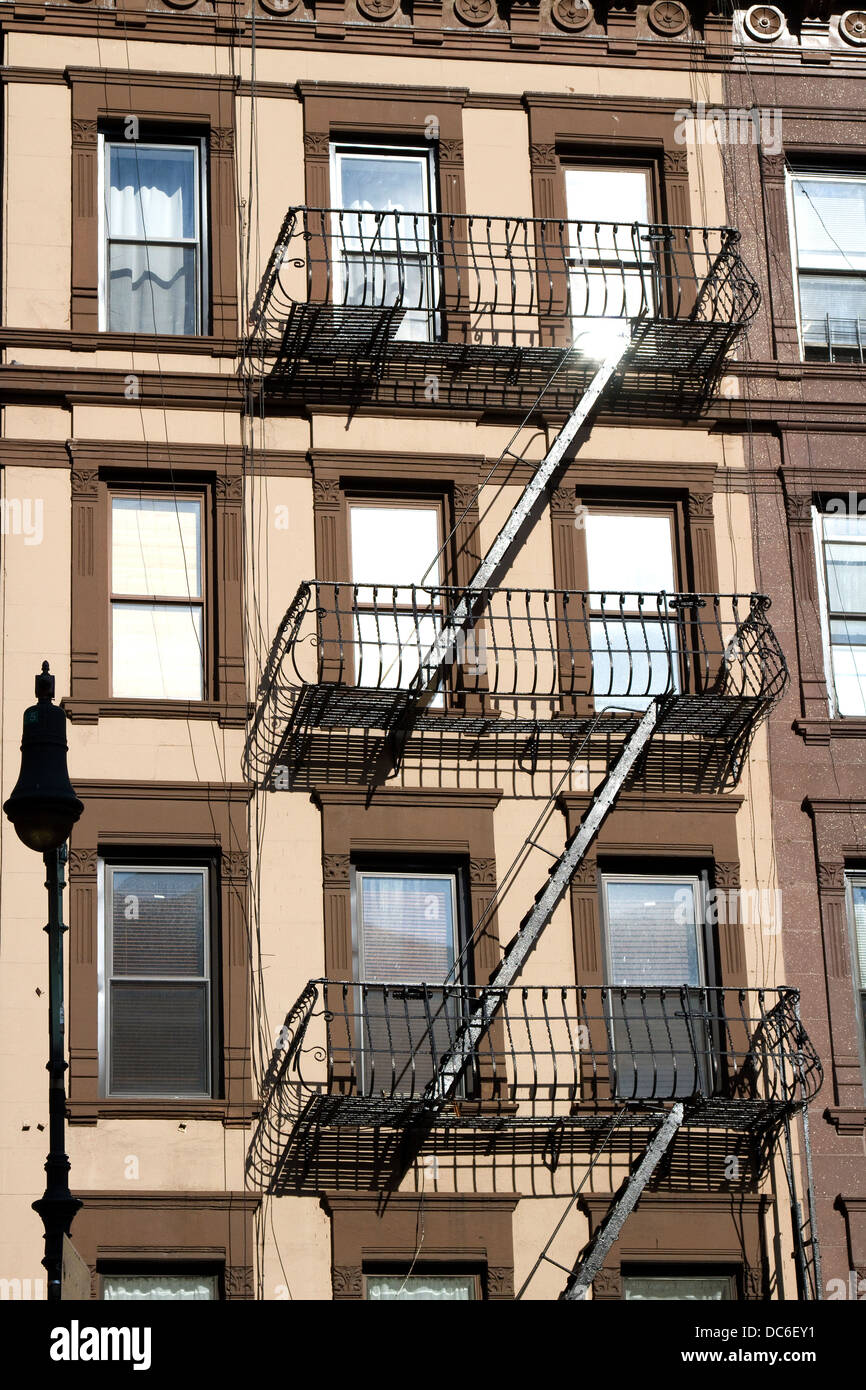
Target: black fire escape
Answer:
pixel 373 306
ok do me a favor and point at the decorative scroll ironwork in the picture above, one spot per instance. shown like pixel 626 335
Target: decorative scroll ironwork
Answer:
pixel 348 656
pixel 512 296
pixel 356 1053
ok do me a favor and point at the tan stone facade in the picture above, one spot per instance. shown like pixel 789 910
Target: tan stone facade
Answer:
pixel 90 413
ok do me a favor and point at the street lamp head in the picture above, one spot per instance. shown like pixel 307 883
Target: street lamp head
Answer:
pixel 43 806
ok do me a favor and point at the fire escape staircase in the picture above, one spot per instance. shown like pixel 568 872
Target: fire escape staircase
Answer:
pixel 668 709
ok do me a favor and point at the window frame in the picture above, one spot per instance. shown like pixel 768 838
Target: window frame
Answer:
pixel 607 259
pixel 106 139
pixel 826 615
pixel 855 878
pixel 432 501
pixel 672 512
pixel 795 174
pixel 426 155
pixel 204 602
pixel 107 866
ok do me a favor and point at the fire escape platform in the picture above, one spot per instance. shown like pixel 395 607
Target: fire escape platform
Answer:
pixel 497 310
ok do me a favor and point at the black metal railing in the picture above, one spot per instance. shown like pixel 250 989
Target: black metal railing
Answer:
pixel 617 650
pixel 488 279
pixel 550 1050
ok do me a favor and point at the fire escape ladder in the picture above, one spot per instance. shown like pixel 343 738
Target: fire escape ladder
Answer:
pixel 622 1206
pixel 468 1037
pixel 520 522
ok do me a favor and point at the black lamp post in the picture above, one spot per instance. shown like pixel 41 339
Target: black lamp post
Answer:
pixel 43 809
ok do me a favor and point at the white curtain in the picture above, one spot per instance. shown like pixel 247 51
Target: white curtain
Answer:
pixel 456 1289
pixel 171 1286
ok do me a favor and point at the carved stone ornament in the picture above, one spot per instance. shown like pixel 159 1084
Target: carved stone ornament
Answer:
pixel 335 869
pixel 500 1282
pixel 236 864
pixel 831 878
pixel 608 1283
pixel 482 873
pixel 475 11
pixel 700 504
pixel 378 9
pixel 798 506
pixel 181 4
pixel 317 143
pixel 82 863
pixel 279 7
pixel 451 151
pixel 764 23
pixel 571 14
pixel 84 482
pixel 726 875
pixel 852 26
pixel 222 139
pixel 230 487
pixel 326 492
pixel 542 156
pixel 668 17
pixel 239 1282
pixel 347 1281
pixel 676 162
pixel 84 132
pixel 465 499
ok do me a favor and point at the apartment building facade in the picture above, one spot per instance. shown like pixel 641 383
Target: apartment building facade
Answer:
pixel 298 301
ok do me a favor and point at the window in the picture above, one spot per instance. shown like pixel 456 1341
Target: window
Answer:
pixel 157 1033
pixel 157 597
pixel 189 1284
pixel 612 271
pixel 841 546
pixel 630 571
pixel 656 971
pixel 395 545
pixel 384 233
pixel 665 1286
pixel 408 931
pixel 152 272
pixel 857 918
pixel 447 1288
pixel 829 220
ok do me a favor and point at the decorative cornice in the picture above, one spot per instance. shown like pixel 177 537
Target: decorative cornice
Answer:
pixel 378 10
pixel 475 12
pixel 572 15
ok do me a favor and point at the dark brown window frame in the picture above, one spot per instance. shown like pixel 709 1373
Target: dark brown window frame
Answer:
pixel 471 1230
pixel 186 492
pixel 147 820
pixel 171 1228
pixel 678 1229
pixel 161 469
pixel 678 833
pixel 188 103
